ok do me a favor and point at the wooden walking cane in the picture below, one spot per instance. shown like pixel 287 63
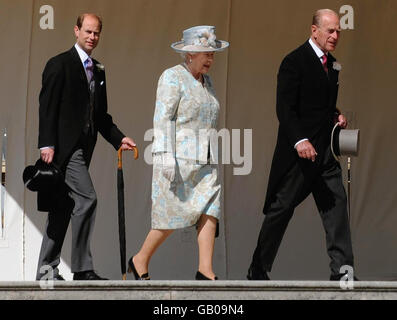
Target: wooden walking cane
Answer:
pixel 121 210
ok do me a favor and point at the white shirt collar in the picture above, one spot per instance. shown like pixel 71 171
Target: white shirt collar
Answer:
pixel 316 49
pixel 82 54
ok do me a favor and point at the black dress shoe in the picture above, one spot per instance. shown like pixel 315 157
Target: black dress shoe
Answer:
pixel 87 275
pixel 255 274
pixel 131 268
pixel 58 277
pixel 337 277
pixel 200 276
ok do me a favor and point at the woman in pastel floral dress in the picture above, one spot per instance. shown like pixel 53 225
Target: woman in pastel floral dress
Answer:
pixel 185 185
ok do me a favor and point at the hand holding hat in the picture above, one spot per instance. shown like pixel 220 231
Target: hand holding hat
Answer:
pixel 42 176
pixel 342 121
pixel 344 142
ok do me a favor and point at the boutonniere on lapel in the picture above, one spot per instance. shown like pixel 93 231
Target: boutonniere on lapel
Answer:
pixel 337 66
pixel 100 67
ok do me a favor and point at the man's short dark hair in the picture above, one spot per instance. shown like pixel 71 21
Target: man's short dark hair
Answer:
pixel 81 17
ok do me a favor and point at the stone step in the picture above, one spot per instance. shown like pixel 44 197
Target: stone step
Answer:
pixel 198 290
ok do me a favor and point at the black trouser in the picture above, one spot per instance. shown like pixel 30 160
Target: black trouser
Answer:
pixel 330 197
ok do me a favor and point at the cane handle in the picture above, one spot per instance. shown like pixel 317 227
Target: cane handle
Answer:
pixel 120 156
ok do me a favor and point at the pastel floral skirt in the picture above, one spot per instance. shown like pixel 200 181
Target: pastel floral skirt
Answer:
pixel 195 191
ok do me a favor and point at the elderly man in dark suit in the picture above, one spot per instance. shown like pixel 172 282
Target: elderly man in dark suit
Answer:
pixel 73 108
pixel 307 91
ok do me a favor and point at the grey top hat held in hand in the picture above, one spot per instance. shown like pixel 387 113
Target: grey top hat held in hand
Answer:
pixel 199 39
pixel 344 142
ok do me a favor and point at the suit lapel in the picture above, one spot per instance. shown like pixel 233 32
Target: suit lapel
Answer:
pixel 98 79
pixel 315 62
pixel 318 67
pixel 78 67
pixel 332 73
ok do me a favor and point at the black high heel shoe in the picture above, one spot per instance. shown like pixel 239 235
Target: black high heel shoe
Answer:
pixel 131 268
pixel 200 276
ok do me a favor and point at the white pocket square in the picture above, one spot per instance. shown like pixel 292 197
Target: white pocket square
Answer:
pixel 102 82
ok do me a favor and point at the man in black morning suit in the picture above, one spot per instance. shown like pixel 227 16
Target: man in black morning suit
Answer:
pixel 73 108
pixel 307 88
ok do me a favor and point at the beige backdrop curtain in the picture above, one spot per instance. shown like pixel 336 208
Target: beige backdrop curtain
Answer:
pixel 135 49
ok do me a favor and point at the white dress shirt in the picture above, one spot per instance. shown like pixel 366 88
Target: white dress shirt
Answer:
pixel 82 54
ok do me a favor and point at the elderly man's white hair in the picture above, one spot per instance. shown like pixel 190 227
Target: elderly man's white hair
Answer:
pixel 320 13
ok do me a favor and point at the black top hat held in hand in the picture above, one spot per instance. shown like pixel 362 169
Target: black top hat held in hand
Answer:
pixel 41 176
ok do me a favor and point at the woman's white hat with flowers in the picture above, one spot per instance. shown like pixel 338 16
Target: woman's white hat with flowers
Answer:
pixel 199 39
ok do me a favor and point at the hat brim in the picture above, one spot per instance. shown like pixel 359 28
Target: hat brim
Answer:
pixel 28 175
pixel 181 47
